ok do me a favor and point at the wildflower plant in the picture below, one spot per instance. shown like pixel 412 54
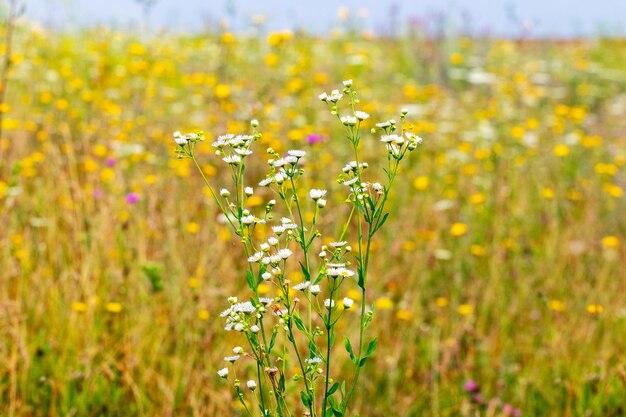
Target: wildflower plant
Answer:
pixel 297 329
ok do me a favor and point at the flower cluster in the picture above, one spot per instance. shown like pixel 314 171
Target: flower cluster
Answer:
pixel 294 324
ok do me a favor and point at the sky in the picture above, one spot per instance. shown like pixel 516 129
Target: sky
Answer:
pixel 554 18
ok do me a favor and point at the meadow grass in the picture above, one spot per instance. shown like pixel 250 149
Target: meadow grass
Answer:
pixel 502 264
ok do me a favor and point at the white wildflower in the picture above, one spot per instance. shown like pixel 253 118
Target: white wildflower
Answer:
pixel 223 373
pixel 256 257
pixel 317 194
pixel 232 160
pixel 348 120
pixel 361 115
pixel 347 302
pixel 302 286
pixel 284 253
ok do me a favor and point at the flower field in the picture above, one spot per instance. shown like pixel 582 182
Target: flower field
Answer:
pixel 497 284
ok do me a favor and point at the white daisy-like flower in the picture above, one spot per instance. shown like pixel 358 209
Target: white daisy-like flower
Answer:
pixel 291 160
pixel 361 115
pixel 338 244
pixel 390 138
pixel 347 302
pixel 278 163
pixel 232 359
pixel 245 307
pixel 286 220
pixel 248 191
pixel 274 259
pixel 266 181
pixel 237 350
pixel 243 152
pixel 251 384
pixel 317 194
pixel 328 303
pixel 323 96
pixel 232 159
pixel 265 247
pixel 266 276
pixel 350 182
pixel 180 139
pixel 412 137
pixel 334 96
pixel 378 187
pixel 348 83
pixel 284 253
pixel 296 153
pixel 224 192
pixel 265 300
pixel 254 328
pixel 256 257
pixel 384 124
pixel 247 219
pixel 321 203
pixel 314 360
pixel 223 373
pixel 348 120
pixel 315 289
pixel 278 229
pixel 239 327
pixel 337 265
pixel 280 178
pixel 302 286
pixel 272 241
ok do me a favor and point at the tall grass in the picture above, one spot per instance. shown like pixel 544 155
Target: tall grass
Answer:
pixel 504 264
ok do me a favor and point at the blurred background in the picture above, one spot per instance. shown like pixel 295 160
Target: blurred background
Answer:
pixel 498 282
pixel 510 18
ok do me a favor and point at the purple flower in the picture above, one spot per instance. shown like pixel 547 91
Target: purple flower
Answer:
pixel 507 409
pixel 132 198
pixel 477 398
pixel 314 138
pixel 110 162
pixel 471 386
pixel 97 193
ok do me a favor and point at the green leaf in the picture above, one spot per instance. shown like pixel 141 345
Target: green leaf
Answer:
pixel 361 281
pixel 349 350
pixel 306 399
pixel 371 347
pixel 333 388
pixel 299 322
pixel 273 340
pixel 305 272
pixel 250 279
pixel 381 222
pixel 154 272
pixel 362 362
pixel 281 382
